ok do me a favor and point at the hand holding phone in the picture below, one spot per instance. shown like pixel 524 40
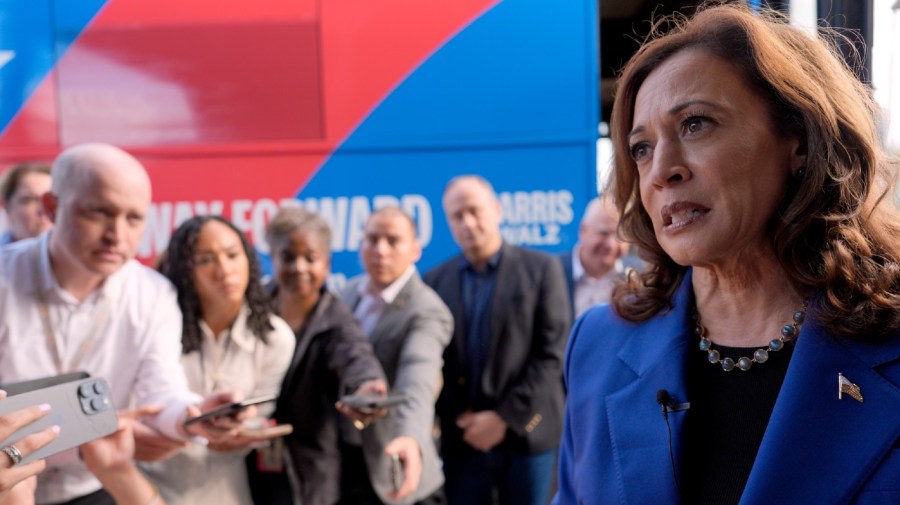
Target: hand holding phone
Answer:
pixel 114 454
pixel 229 409
pixel 396 472
pixel 406 466
pixel 10 478
pixel 360 402
pixel 267 432
pixel 364 411
pixel 81 408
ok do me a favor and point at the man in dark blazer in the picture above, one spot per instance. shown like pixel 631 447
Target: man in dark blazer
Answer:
pixel 409 327
pixel 501 406
pixel 599 259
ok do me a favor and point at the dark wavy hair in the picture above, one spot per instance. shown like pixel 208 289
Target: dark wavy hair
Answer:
pixel 836 232
pixel 178 265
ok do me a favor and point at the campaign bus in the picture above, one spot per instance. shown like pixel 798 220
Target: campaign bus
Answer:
pixel 238 107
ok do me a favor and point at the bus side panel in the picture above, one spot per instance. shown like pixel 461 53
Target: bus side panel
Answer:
pixel 512 98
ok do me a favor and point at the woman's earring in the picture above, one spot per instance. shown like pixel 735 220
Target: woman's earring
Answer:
pixel 800 173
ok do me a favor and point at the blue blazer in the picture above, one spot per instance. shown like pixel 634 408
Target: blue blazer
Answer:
pixel 816 449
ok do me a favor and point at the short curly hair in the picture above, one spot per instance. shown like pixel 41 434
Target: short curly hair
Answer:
pixel 297 219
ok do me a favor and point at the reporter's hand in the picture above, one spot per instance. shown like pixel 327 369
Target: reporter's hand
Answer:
pixel 411 457
pixel 12 477
pixel 115 452
pixel 219 430
pixel 22 493
pixel 251 434
pixel 363 417
pixel 150 445
pixel 111 460
pixel 220 398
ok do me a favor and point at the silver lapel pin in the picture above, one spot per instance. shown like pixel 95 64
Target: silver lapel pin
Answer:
pixel 845 386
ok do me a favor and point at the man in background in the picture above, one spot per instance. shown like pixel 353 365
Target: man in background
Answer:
pixel 21 189
pixel 598 260
pixel 409 328
pixel 502 402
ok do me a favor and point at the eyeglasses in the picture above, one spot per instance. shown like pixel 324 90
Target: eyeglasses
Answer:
pixel 26 200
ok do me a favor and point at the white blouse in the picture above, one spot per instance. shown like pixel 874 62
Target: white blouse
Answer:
pixel 237 360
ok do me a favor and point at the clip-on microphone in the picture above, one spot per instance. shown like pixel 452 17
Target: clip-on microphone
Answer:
pixel 667 404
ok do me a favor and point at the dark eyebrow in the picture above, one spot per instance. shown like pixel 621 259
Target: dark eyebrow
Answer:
pixel 672 111
pixel 634 132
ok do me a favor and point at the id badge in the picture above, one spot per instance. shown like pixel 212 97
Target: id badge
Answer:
pixel 270 459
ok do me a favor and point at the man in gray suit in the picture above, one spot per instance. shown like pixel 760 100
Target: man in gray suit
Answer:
pixel 409 327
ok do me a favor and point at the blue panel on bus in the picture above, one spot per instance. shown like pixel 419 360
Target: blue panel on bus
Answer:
pixel 533 136
pixel 27 51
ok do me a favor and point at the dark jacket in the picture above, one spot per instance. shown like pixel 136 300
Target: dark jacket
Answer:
pixel 529 324
pixel 332 358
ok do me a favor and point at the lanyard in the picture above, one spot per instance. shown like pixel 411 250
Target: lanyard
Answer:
pixel 100 319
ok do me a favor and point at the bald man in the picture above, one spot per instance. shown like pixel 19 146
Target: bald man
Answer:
pixel 599 259
pixel 75 299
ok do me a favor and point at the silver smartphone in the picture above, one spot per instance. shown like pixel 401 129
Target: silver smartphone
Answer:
pixel 81 407
pixel 396 472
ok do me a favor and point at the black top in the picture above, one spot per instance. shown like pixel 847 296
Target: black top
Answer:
pixel 726 422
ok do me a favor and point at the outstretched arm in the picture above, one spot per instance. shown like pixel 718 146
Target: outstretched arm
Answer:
pixel 111 460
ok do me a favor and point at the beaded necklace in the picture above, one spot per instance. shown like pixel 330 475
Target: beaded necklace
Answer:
pixel 788 333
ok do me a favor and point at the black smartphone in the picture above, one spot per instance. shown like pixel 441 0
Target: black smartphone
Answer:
pixel 230 409
pixel 372 401
pixel 82 408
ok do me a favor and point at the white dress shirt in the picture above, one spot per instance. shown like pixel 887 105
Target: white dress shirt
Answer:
pixel 236 360
pixel 590 291
pixel 371 304
pixel 134 324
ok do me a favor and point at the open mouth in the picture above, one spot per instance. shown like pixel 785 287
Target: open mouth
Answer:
pixel 682 213
pixel 685 217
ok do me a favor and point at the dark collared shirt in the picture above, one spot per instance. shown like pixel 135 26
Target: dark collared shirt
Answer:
pixel 477 292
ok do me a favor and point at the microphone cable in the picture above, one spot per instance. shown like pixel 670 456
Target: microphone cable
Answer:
pixel 664 399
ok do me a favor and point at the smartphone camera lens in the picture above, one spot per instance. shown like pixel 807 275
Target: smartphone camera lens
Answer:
pixel 99 404
pixel 87 407
pixel 86 390
pixel 93 396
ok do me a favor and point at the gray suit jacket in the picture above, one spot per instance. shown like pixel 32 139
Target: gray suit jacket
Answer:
pixel 409 341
